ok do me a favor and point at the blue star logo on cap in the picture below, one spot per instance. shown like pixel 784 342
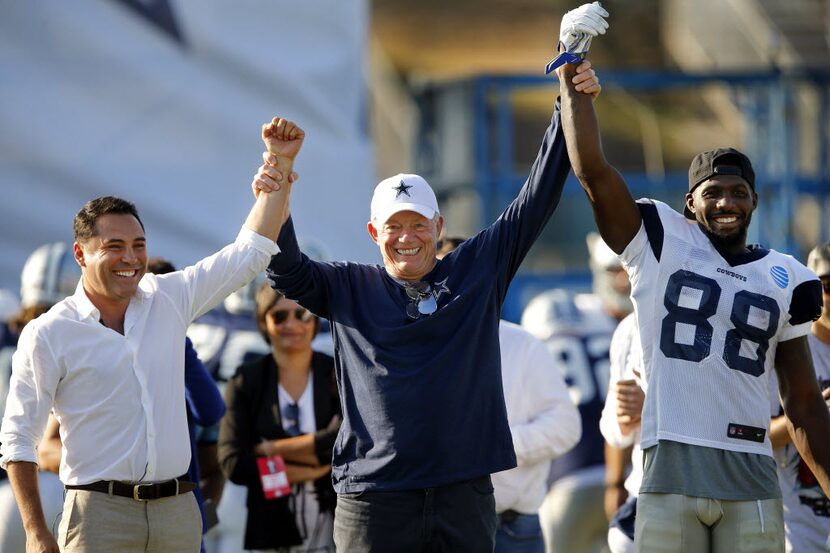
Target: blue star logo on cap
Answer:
pixel 402 188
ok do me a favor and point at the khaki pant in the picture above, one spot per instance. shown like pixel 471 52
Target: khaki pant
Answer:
pixel 573 518
pixel 94 522
pixel 670 523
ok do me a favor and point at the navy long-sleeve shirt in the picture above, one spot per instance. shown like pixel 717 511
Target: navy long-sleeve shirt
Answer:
pixel 422 399
pixel 205 407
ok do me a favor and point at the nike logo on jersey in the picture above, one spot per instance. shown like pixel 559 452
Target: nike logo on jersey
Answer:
pixel 733 274
pixel 746 432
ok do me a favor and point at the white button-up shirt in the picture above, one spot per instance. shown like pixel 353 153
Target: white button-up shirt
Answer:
pixel 543 420
pixel 120 399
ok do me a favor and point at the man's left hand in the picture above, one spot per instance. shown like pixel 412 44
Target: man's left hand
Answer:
pixel 269 178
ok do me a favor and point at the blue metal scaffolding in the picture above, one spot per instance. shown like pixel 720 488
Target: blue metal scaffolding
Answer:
pixel 766 100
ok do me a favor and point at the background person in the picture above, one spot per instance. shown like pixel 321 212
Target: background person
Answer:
pixel 284 403
pixel 48 276
pixel 806 506
pixel 577 329
pixel 620 426
pixel 226 337
pixel 544 424
pixel 205 408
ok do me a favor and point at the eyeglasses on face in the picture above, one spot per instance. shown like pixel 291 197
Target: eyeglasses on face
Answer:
pixel 423 302
pixel 279 316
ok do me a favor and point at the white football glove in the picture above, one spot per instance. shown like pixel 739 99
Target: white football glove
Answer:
pixel 579 26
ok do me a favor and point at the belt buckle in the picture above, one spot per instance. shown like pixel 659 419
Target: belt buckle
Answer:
pixel 136 492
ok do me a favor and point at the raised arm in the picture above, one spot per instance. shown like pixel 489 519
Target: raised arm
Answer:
pixel 617 216
pixel 283 139
pixel 807 415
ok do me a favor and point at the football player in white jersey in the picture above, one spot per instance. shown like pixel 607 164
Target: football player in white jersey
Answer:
pixel 806 507
pixel 620 426
pixel 715 317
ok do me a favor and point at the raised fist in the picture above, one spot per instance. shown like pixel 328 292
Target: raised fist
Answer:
pixel 283 137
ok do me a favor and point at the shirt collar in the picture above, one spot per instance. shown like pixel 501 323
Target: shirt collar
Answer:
pixel 87 309
pixel 84 306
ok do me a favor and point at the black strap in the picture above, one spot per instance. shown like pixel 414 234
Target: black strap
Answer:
pixel 139 492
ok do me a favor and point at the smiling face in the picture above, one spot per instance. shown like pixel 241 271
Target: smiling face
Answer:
pixel 113 260
pixel 286 332
pixel 407 242
pixel 723 207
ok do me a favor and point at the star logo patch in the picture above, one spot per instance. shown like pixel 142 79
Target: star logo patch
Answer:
pixel 402 188
pixel 440 288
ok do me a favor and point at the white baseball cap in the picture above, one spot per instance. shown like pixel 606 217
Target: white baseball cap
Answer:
pixel 403 193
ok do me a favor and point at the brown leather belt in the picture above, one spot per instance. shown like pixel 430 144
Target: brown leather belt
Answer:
pixel 139 492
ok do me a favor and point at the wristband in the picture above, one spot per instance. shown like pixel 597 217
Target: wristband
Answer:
pixel 562 59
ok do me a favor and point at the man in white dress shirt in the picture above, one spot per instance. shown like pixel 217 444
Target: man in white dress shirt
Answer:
pixel 109 362
pixel 544 424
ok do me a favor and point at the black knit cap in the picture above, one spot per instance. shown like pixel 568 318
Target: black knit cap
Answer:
pixel 721 161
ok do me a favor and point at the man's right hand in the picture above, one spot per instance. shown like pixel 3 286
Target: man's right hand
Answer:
pixel 282 137
pixel 41 542
pixel 615 496
pixel 270 176
pixel 630 398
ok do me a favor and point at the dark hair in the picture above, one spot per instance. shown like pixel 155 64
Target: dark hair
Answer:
pixel 86 218
pixel 159 266
pixel 26 315
pixel 266 299
pixel 447 244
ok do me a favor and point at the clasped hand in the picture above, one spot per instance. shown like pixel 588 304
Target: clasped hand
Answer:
pixel 283 140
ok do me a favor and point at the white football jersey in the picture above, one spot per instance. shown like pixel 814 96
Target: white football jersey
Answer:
pixel 709 329
pixel 626 364
pixel 806 508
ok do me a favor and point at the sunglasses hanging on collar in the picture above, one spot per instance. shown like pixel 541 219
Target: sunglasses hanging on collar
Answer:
pixel 422 301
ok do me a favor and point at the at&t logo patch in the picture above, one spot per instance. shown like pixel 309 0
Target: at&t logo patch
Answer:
pixel 779 276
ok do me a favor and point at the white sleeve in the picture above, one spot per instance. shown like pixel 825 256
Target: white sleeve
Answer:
pixel 203 286
pixel 555 426
pixel 35 377
pixel 633 254
pixel 624 339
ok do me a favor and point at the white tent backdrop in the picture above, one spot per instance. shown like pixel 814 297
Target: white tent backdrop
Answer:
pixel 164 108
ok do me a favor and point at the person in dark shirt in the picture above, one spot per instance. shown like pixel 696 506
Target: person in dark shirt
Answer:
pixel 417 359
